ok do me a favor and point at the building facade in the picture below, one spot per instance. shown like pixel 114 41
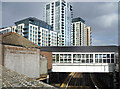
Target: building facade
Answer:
pixel 88 36
pixel 80 34
pixel 59 15
pixel 83 58
pixel 34 30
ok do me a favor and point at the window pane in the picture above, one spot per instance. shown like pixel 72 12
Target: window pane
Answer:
pixel 96 60
pixel 87 60
pixel 112 60
pixel 108 60
pixel 87 55
pixel 91 55
pixel 104 56
pixel 112 55
pixel 91 60
pixel 96 55
pixel 104 60
pixel 100 60
pixel 57 56
pixel 108 55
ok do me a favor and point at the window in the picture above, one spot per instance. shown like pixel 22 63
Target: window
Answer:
pixel 57 57
pixel 35 29
pixel 30 27
pixel 104 60
pixel 21 27
pixel 112 55
pixel 30 31
pixel 31 35
pixel 57 3
pixel 47 6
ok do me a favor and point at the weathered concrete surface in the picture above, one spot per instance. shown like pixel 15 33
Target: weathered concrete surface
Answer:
pixel 43 66
pixel 23 60
pixel 48 55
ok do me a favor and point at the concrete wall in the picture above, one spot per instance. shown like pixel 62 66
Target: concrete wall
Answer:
pixel 24 60
pixel 48 55
pixel 43 66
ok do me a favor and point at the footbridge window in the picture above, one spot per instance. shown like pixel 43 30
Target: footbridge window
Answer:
pixel 83 58
pixel 104 58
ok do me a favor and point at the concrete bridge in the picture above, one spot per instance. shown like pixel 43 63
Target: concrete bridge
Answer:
pixel 83 58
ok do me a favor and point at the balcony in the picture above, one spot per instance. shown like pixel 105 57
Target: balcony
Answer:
pixel 25 28
pixel 25 31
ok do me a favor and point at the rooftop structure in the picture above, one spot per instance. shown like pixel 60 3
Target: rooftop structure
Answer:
pixel 34 21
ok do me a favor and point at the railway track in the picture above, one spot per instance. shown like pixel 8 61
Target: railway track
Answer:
pixel 79 81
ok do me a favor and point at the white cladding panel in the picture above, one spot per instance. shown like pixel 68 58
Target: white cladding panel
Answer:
pixel 83 68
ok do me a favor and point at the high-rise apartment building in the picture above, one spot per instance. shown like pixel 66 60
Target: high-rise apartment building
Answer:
pixel 59 14
pixel 35 30
pixel 80 34
pixel 88 36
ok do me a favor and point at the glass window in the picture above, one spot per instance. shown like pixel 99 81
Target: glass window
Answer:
pixel 91 60
pixel 57 57
pixel 87 55
pixel 30 31
pixel 104 60
pixel 61 60
pixel 108 55
pixel 83 55
pixel 47 6
pixel 108 60
pixel 57 3
pixel 65 60
pixel 91 55
pixel 100 56
pixel 35 29
pixel 96 60
pixel 83 60
pixel 96 56
pixel 31 27
pixel 112 55
pixel 100 60
pixel 69 60
pixel 104 56
pixel 112 60
pixel 87 60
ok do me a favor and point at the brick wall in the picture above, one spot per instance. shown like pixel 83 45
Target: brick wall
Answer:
pixel 48 55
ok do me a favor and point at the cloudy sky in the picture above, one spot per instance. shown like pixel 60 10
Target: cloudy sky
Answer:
pixel 101 16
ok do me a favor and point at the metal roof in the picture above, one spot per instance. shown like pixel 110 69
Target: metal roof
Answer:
pixel 34 21
pixel 81 49
pixel 77 20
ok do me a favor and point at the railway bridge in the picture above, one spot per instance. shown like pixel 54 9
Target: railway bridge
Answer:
pixel 83 58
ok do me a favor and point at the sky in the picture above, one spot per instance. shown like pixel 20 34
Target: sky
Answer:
pixel 101 16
